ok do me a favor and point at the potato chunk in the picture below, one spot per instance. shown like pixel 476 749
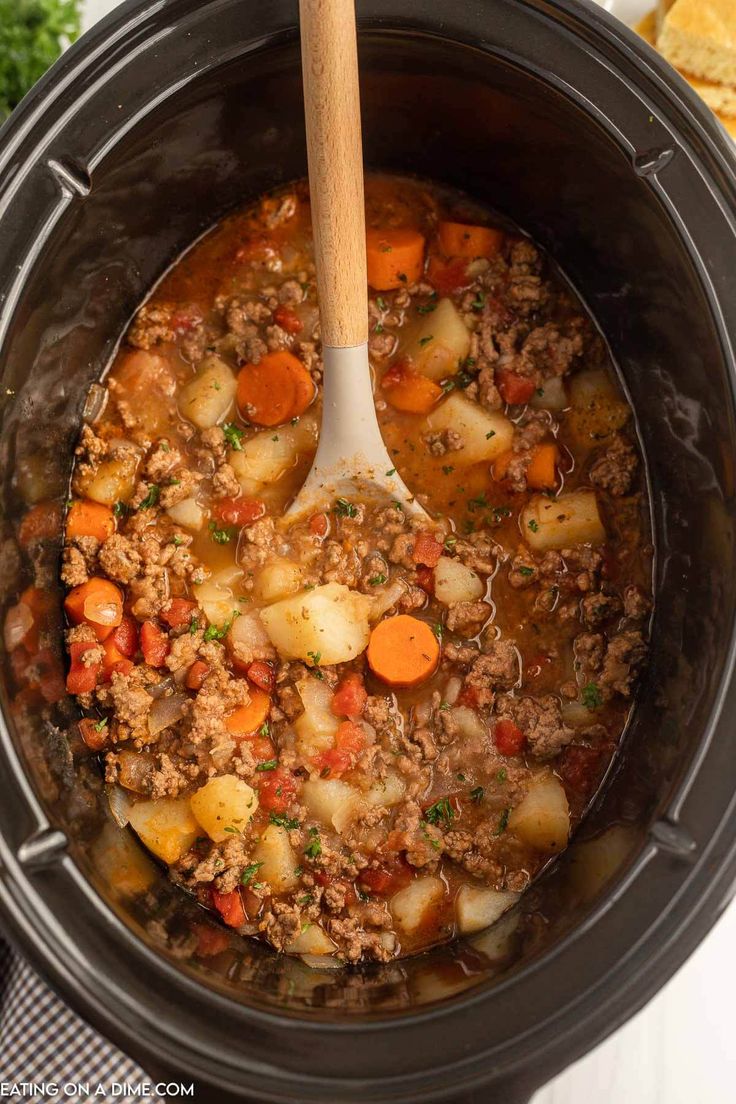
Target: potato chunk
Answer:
pixel 217 597
pixel 386 791
pixel 439 344
pixel 166 826
pixel 206 399
pixel 316 727
pixel 409 906
pixel 264 458
pixel 328 624
pixel 597 410
pixel 562 522
pixel 477 907
pixel 277 858
pixel 111 481
pixel 187 513
pixel 454 582
pixel 277 579
pixel 313 940
pixel 485 435
pixel 331 801
pixel 542 818
pixel 223 806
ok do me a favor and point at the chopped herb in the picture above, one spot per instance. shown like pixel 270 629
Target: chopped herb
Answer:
pixel 479 302
pixel 397 505
pixel 233 831
pixel 477 794
pixel 526 571
pixel 439 631
pixel 275 437
pixel 501 776
pixel 450 542
pixel 447 468
pixel 387 248
pixel 234 436
pixel 426 340
pixel 173 482
pixel 221 536
pixel 213 633
pixel 391 471
pixel 294 421
pixel 491 433
pixel 401 276
pixel 177 541
pixel 151 498
pixel 306 899
pixel 501 512
pixel 534 526
pixel 269 765
pixel 478 503
pixel 283 821
pixel 264 730
pixel 100 725
pixel 377 580
pixel 249 873
pixel 193 626
pixel 503 822
pixel 314 848
pixel 164 446
pixel 426 308
pixel 345 509
pixel 378 328
pixel 444 705
pixel 325 772
pixel 460 777
pixel 315 657
pixel 435 843
pixel 591 696
pixel 441 812
pixel 381 303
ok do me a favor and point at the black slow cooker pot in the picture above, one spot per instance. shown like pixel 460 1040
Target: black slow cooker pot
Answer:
pixel 164 117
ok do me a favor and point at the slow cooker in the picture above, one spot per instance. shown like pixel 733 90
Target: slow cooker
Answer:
pixel 166 116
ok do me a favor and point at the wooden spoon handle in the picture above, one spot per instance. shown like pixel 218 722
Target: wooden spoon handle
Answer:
pixel 335 154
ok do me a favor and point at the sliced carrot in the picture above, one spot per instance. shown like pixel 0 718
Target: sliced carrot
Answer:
pixel 395 258
pixel 98 603
pixel 408 391
pixel 501 465
pixel 89 519
pixel 249 718
pixel 459 240
pixel 275 390
pixel 541 475
pixel 447 277
pixel 403 651
pixel 94 733
pixel 42 522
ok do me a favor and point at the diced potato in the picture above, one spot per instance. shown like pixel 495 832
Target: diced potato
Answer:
pixel 409 906
pixel 550 396
pixel 594 862
pixel 454 582
pixel 187 513
pixel 331 801
pixel 542 818
pixel 386 791
pixel 113 480
pixel 485 434
pixel 264 458
pixel 439 344
pixel 224 806
pixel 248 638
pixel 206 399
pixel 470 724
pixel 313 941
pixel 277 579
pixel 217 597
pixel 316 727
pixel 166 826
pixel 276 854
pixel 596 409
pixel 121 863
pixel 562 522
pixel 329 622
pixel 477 907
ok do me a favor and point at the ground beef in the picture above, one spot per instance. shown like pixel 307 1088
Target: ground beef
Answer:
pixel 467 617
pixel 161 462
pixel 497 669
pixel 541 722
pixel 623 659
pixel 214 441
pixel 183 484
pixel 596 609
pixel 377 711
pixel 526 291
pixel 130 702
pixel 153 324
pixel 225 482
pixel 636 604
pixel 523 570
pixel 73 566
pixel 382 344
pixel 589 649
pixel 443 441
pixel 614 471
pixel 477 552
pixel 119 558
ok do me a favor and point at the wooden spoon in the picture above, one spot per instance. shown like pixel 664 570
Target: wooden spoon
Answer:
pixel 351 459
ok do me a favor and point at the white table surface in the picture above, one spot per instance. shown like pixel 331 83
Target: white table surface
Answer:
pixel 681 1048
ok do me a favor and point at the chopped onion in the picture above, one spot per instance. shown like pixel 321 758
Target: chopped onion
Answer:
pixel 423 712
pixel 166 712
pixel 120 805
pixel 134 770
pixel 158 689
pixel 18 623
pixel 452 689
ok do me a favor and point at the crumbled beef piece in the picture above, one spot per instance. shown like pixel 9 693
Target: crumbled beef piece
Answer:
pixel 130 702
pixel 219 695
pixel 548 351
pixel 498 668
pixel 152 324
pixel 290 293
pixel 381 344
pixel 475 853
pixel 425 741
pixel 596 609
pixel 526 291
pixel 615 470
pixel 194 344
pixel 183 484
pixel 589 649
pixel 161 462
pixel 636 604
pixel 261 542
pixel 541 722
pixel 355 943
pixel 523 570
pixel 401 550
pixel 461 654
pixel 80 634
pixel 488 394
pixel 225 482
pixel 467 617
pixel 341 565
pixel 119 558
pixel 377 711
pixel 281 924
pixel 443 441
pixel 477 552
pixel 421 841
pixel 413 598
pixel 183 650
pixel 73 566
pixel 213 440
pixel 240 314
pixel 624 657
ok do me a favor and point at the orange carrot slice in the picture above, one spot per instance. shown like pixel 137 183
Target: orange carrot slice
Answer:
pixel 403 651
pixel 249 718
pixel 395 258
pixel 541 475
pixel 98 603
pixel 459 240
pixel 408 391
pixel 274 391
pixel 89 519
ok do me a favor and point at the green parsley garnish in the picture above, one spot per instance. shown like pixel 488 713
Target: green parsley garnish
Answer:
pixel 447 468
pixel 534 526
pixel 120 509
pixel 154 492
pixel 314 848
pixel 441 812
pixel 345 509
pixel 591 696
pixel 213 633
pixel 283 821
pixel 100 725
pixel 479 302
pixel 269 765
pixel 381 303
pixel 439 630
pixel 491 433
pixel 249 873
pixel 503 822
pixel 221 536
pixel 426 340
pixel 526 571
pixel 193 626
pixel 377 580
pixel 477 794
pixel 501 776
pixel 391 471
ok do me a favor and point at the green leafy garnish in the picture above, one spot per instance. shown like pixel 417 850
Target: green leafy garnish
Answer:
pixel 343 508
pixel 314 848
pixel 154 492
pixel 591 696
pixel 526 571
pixel 221 535
pixel 534 526
pixel 234 436
pixel 213 633
pixel 120 509
pixel 249 873
pixel 283 821
pixel 269 765
pixel 377 580
pixel 441 812
pixel 100 725
pixel 477 794
pixel 503 822
pixel 426 340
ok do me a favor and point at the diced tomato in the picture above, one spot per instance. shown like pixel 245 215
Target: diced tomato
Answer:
pixel 468 696
pixel 262 748
pixel 82 677
pixel 94 735
pixel 350 697
pixel 509 738
pixel 425 578
pixel 179 613
pixel 230 907
pixel 114 661
pixel 319 525
pixel 287 320
pixel 196 675
pixel 125 636
pixel 388 877
pixel 261 674
pixel 239 511
pixel 514 389
pixel 426 550
pixel 42 522
pixel 154 644
pixel 447 276
pixel 349 742
pixel 210 941
pixel 276 790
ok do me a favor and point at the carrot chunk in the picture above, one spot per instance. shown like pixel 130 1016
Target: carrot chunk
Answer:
pixel 500 465
pixel 98 603
pixel 395 258
pixel 459 240
pixel 115 662
pixel 403 651
pixel 89 519
pixel 447 277
pixel 275 390
pixel 249 718
pixel 541 475
pixel 409 391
